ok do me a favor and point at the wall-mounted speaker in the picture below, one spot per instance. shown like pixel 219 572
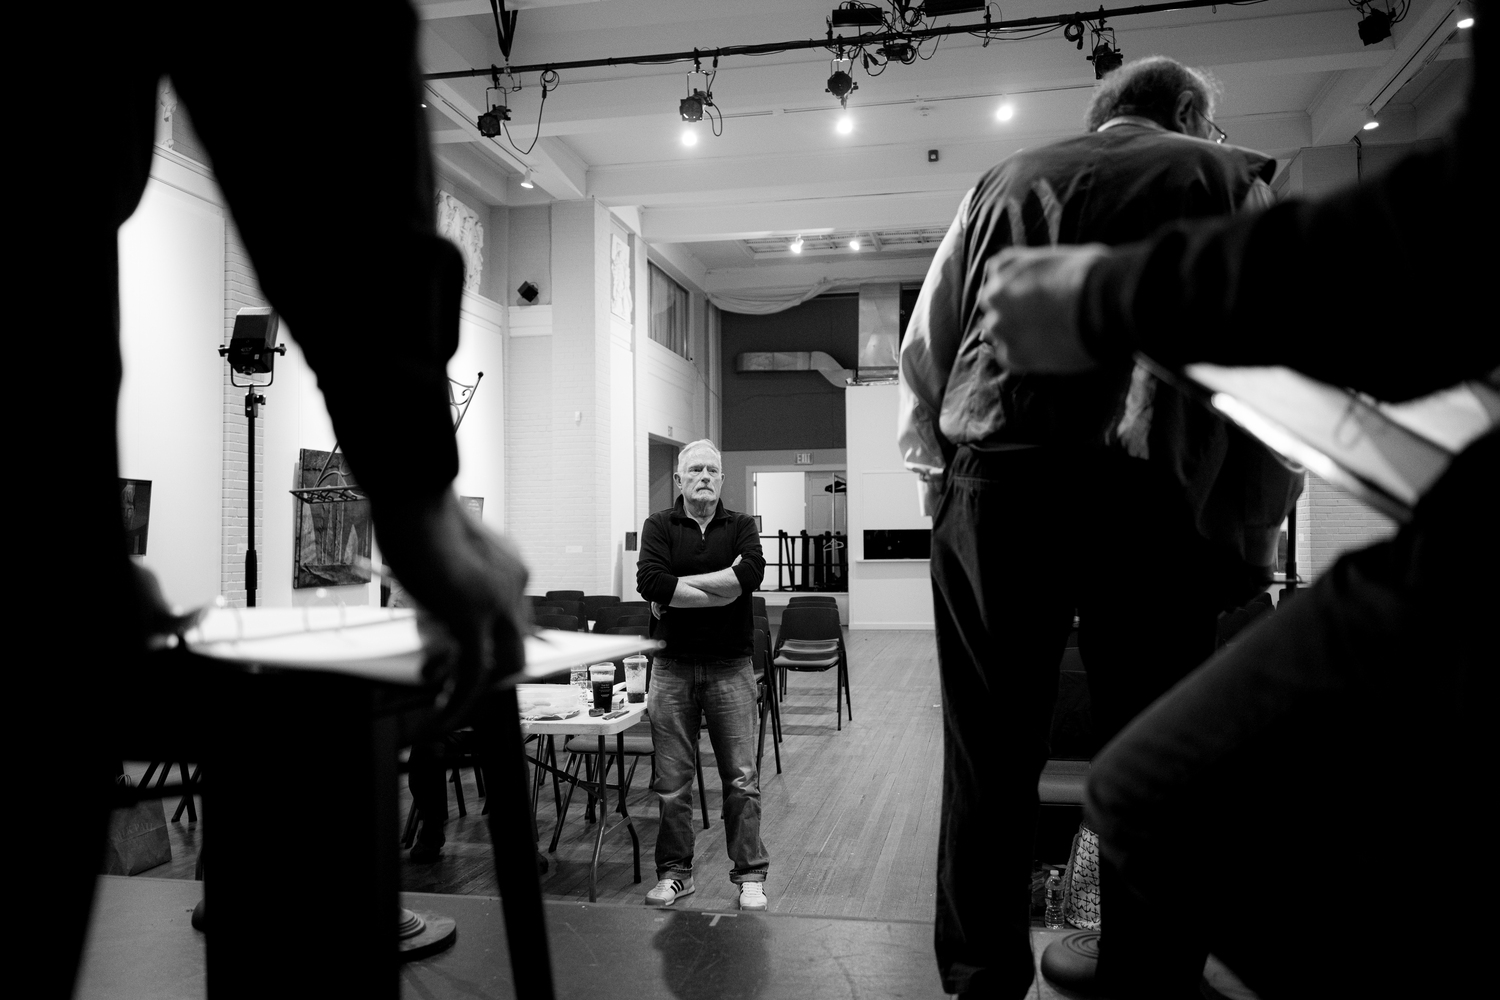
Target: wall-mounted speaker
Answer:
pixel 527 291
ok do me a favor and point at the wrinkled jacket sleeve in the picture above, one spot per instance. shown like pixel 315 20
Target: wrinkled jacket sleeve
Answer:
pixel 654 578
pixel 752 568
pixel 1292 285
pixel 933 334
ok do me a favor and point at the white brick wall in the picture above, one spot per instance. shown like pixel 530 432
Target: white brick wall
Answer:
pixel 1331 522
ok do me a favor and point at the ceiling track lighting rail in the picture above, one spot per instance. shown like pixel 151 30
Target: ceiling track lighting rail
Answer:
pixel 986 28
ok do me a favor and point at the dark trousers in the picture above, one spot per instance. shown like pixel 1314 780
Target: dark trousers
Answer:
pixel 1021 540
pixel 1305 805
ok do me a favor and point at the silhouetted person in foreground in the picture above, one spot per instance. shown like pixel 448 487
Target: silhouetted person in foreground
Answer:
pixel 1304 804
pixel 310 115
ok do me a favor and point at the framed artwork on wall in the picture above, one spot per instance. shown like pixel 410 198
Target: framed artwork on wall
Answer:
pixel 135 513
pixel 619 277
pixel 332 540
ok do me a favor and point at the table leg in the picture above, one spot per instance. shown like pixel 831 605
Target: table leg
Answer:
pixel 603 805
pixel 635 841
pixel 514 847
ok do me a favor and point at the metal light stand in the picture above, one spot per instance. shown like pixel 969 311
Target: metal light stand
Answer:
pixel 253 402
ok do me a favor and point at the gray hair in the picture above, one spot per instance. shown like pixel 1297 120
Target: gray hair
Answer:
pixel 1149 87
pixel 702 444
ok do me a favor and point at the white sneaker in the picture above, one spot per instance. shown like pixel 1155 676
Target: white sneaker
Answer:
pixel 668 891
pixel 752 895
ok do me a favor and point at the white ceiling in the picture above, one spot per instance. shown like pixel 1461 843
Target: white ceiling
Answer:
pixel 1294 74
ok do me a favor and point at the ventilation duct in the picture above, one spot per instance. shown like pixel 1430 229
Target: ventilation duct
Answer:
pixel 879 334
pixel 794 361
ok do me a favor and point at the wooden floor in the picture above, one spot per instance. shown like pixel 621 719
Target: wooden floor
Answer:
pixel 850 824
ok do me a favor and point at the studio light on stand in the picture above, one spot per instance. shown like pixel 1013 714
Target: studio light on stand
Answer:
pixel 252 351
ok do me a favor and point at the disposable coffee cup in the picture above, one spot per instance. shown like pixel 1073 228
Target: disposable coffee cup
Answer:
pixel 602 677
pixel 635 679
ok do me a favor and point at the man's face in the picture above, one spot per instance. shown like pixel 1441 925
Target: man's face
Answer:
pixel 699 477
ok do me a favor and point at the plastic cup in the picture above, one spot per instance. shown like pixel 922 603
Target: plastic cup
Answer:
pixel 579 678
pixel 602 677
pixel 635 679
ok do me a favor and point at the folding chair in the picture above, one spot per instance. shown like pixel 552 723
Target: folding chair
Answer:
pixel 568 623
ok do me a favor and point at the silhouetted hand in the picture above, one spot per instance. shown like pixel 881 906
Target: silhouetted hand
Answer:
pixel 1030 307
pixel 471 585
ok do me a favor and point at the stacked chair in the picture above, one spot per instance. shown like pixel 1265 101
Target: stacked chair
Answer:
pixel 811 639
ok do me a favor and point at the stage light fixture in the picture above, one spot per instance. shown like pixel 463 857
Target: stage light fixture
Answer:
pixel 526 181
pixel 1005 112
pixel 689 137
pixel 845 125
pixel 691 107
pixel 796 245
pixel 491 122
pixel 1465 22
pixel 1376 26
pixel 860 16
pixel 841 85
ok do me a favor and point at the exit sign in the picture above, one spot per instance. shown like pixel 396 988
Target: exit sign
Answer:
pixel 804 458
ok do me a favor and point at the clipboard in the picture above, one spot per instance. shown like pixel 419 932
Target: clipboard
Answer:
pixel 1386 454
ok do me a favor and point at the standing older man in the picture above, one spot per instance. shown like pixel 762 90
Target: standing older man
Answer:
pixel 699 565
pixel 1052 496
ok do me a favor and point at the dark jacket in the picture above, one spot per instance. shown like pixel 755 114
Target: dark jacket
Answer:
pixel 673 546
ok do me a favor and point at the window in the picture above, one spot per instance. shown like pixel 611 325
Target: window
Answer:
pixel 669 312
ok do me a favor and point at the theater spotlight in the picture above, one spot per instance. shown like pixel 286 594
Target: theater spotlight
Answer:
pixel 840 83
pixel 490 122
pixel 796 245
pixel 1375 27
pixel 691 107
pixel 1106 56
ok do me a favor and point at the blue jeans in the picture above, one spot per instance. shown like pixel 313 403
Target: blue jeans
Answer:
pixel 723 691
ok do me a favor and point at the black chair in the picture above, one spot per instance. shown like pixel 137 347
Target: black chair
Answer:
pixel 758 606
pixel 456 763
pixel 594 602
pixel 546 609
pixel 618 614
pixel 565 595
pixel 811 639
pixel 574 608
pixel 765 690
pixel 812 599
pixel 567 623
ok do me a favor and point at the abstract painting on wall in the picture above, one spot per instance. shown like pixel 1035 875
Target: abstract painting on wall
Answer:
pixel 332 539
pixel 135 513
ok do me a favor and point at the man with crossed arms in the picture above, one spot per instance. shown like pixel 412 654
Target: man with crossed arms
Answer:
pixel 699 565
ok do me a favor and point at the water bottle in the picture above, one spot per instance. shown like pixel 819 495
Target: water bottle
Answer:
pixel 1054 917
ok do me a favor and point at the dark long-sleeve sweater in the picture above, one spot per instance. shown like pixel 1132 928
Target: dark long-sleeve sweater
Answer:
pixel 673 546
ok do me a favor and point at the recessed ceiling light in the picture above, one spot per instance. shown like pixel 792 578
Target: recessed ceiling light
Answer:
pixel 845 125
pixel 854 244
pixel 1372 124
pixel 689 137
pixel 796 245
pixel 1465 22
pixel 424 103
pixel 1005 112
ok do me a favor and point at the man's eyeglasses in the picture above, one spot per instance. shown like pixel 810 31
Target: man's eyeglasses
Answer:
pixel 1219 134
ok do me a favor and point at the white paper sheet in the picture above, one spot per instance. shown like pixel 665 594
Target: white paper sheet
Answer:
pixel 380 644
